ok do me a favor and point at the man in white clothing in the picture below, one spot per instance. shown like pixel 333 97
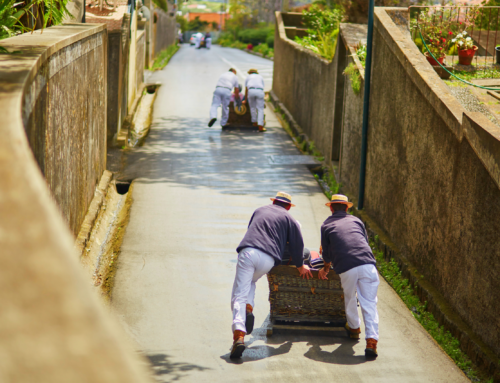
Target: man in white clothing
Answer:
pixel 222 96
pixel 254 93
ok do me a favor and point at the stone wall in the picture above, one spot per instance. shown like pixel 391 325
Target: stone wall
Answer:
pixel 52 101
pixel 303 82
pixel 64 115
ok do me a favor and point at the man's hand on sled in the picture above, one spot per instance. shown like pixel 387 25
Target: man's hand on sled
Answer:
pixel 323 274
pixel 305 272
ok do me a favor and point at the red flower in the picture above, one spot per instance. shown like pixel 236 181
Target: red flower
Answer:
pixel 450 33
pixel 444 40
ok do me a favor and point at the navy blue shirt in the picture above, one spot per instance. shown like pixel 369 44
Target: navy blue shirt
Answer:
pixel 270 228
pixel 345 243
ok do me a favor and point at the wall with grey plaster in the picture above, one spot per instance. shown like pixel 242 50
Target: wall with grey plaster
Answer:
pixel 303 82
pixel 64 113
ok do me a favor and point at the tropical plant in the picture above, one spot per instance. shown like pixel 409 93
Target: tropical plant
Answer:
pixel 20 17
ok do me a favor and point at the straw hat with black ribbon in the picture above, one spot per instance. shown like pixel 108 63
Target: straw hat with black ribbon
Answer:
pixel 253 71
pixel 340 198
pixel 283 197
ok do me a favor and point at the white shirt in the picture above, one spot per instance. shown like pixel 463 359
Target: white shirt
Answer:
pixel 228 80
pixel 254 80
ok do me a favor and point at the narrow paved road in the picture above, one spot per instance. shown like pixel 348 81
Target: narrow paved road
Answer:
pixel 195 190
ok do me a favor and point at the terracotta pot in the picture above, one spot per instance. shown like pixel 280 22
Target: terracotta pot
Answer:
pixel 465 56
pixel 432 61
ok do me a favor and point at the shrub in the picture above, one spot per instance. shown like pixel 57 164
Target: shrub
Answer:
pixel 255 36
pixel 262 48
pixel 270 41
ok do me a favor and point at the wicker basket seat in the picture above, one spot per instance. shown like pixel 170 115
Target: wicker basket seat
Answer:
pixel 293 298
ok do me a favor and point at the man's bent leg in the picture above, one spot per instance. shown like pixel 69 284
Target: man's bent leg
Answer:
pixel 260 108
pixel 367 295
pixel 263 264
pixel 241 288
pixel 252 103
pixel 226 99
pixel 216 101
pixel 349 280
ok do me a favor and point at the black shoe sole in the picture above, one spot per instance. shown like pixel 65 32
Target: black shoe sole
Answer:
pixel 237 352
pixel 249 323
pixel 212 122
pixel 369 353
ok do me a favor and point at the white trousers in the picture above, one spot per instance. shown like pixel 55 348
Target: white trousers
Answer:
pixel 256 102
pixel 208 42
pixel 363 279
pixel 252 265
pixel 222 96
pixel 197 42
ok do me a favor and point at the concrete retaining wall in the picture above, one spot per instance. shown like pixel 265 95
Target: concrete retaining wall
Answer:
pixel 432 177
pixel 164 31
pixel 432 186
pixel 303 82
pixel 64 115
pixel 52 100
pixel 140 60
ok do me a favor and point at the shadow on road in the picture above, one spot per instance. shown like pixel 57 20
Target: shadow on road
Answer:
pixel 171 371
pixel 282 343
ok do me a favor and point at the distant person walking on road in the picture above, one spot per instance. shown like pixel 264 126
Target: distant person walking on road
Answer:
pixel 208 40
pixel 254 93
pixel 222 96
pixel 345 243
pixel 269 230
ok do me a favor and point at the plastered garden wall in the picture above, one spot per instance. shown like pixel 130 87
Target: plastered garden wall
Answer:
pixel 164 31
pixel 64 115
pixel 304 82
pixel 52 329
pixel 432 179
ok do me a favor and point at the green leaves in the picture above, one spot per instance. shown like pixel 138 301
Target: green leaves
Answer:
pixel 322 29
pixel 21 17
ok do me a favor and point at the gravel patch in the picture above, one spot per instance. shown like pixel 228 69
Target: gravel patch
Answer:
pixel 471 103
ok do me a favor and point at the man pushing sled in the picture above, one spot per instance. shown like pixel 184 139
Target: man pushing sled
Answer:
pixel 269 230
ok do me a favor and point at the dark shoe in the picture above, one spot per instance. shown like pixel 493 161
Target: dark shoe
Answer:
pixel 353 333
pixel 254 123
pixel 262 129
pixel 212 122
pixel 238 348
pixel 249 322
pixel 371 348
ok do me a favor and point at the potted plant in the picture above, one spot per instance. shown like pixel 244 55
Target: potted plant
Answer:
pixel 435 30
pixel 466 48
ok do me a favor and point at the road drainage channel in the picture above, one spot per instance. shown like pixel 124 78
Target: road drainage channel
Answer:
pixel 143 117
pixel 106 237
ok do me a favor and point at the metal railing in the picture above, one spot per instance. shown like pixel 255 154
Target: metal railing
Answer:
pixel 439 25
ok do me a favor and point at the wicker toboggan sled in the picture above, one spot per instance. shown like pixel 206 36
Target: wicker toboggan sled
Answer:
pixel 305 305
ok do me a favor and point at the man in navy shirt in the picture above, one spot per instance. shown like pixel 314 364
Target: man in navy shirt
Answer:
pixel 269 230
pixel 345 244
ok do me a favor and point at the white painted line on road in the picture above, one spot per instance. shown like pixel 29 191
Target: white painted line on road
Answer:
pixel 238 70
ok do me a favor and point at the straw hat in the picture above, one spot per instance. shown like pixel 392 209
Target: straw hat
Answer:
pixel 253 71
pixel 340 198
pixel 283 197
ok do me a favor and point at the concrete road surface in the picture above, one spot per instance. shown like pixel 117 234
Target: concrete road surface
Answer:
pixel 195 190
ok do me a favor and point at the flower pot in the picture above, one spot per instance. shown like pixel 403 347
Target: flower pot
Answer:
pixel 432 61
pixel 465 56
